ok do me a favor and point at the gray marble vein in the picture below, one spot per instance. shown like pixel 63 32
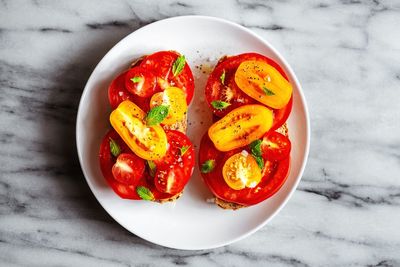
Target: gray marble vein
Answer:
pixel 346 211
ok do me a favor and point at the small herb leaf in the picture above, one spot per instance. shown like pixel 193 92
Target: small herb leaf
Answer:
pixel 208 166
pixel 217 104
pixel 260 161
pixel 144 193
pixel 184 149
pixel 136 79
pixel 156 115
pixel 152 168
pixel 267 91
pixel 178 65
pixel 114 148
pixel 255 148
pixel 222 77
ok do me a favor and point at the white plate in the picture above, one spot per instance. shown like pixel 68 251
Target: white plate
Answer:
pixel 189 223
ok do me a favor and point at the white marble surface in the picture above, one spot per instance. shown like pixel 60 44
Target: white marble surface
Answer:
pixel 346 211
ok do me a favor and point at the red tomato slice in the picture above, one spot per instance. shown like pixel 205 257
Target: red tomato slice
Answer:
pixel 107 161
pixel 160 63
pixel 281 115
pixel 228 91
pixel 274 175
pixel 128 169
pixel 275 146
pixel 118 93
pixel 175 169
pixel 140 82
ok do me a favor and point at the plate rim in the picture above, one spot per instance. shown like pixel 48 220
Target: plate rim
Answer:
pixel 307 131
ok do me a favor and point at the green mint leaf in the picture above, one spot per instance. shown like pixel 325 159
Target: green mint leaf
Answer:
pixel 144 193
pixel 222 77
pixel 267 91
pixel 260 161
pixel 156 115
pixel 184 149
pixel 255 148
pixel 178 65
pixel 217 104
pixel 136 79
pixel 152 168
pixel 114 148
pixel 208 166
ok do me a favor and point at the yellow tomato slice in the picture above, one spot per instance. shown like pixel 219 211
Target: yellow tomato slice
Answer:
pixel 264 83
pixel 240 127
pixel 175 99
pixel 241 170
pixel 148 142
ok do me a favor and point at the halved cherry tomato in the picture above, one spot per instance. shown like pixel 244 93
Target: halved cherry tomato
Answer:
pixel 176 167
pixel 148 142
pixel 228 91
pixel 281 115
pixel 118 93
pixel 128 169
pixel 241 171
pixel 274 175
pixel 240 127
pixel 140 82
pixel 160 63
pixel 175 99
pixel 275 146
pixel 107 161
pixel 264 83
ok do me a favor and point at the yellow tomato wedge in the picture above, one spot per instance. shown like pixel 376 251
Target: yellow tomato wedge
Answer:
pixel 241 170
pixel 264 83
pixel 175 99
pixel 148 142
pixel 240 127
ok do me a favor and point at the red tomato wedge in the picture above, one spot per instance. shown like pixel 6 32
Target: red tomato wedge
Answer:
pixel 221 85
pixel 140 82
pixel 274 175
pixel 128 169
pixel 175 168
pixel 275 146
pixel 118 93
pixel 107 161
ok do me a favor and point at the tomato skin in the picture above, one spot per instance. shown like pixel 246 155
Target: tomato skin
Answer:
pixel 106 163
pixel 281 115
pixel 128 169
pixel 146 85
pixel 160 63
pixel 215 89
pixel 274 175
pixel 174 170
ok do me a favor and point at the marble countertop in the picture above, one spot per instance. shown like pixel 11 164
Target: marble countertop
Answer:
pixel 346 210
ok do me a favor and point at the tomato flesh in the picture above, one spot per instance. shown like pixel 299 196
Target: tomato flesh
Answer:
pixel 174 169
pixel 140 82
pixel 281 115
pixel 275 146
pixel 128 169
pixel 274 175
